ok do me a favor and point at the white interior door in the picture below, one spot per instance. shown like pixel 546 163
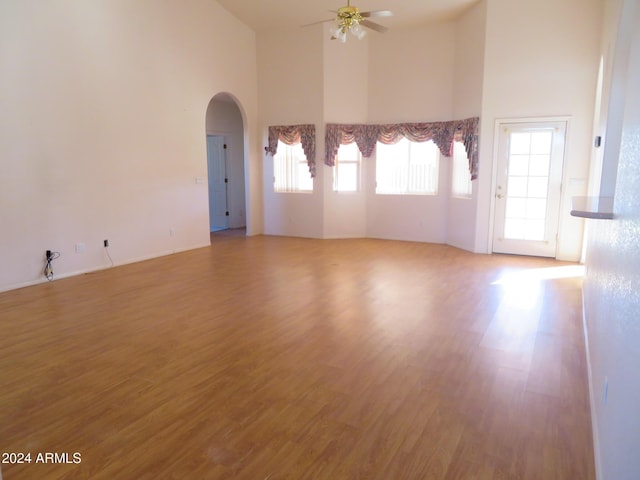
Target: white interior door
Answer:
pixel 217 160
pixel 528 187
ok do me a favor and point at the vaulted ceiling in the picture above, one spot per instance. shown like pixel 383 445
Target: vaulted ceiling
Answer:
pixel 262 15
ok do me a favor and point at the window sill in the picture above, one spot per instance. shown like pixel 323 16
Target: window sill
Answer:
pixel 592 207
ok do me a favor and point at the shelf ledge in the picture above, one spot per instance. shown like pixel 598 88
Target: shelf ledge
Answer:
pixel 592 207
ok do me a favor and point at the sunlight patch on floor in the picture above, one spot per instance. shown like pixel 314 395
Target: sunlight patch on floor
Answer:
pixel 538 274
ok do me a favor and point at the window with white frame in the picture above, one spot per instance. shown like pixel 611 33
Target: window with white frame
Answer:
pixel 460 176
pixel 346 171
pixel 290 169
pixel 407 168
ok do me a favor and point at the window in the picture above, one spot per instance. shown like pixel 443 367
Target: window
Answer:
pixel 407 168
pixel 461 177
pixel 346 172
pixel 290 169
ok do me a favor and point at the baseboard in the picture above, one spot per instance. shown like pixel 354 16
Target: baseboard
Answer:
pixel 592 396
pixel 101 267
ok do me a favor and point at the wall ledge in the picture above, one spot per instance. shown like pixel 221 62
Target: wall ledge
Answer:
pixel 592 207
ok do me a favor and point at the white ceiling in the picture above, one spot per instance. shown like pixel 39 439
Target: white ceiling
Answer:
pixel 262 15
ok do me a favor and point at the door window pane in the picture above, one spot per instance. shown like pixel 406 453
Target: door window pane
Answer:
pixel 520 143
pixel 536 208
pixel 541 142
pixel 519 165
pixel 534 230
pixel 514 228
pixel 516 208
pixel 517 187
pixel 539 165
pixel 527 185
pixel 537 187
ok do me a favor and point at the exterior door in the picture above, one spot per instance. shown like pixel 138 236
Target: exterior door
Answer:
pixel 217 162
pixel 528 187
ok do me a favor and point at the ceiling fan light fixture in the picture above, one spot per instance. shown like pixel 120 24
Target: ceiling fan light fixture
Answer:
pixel 358 31
pixel 344 25
pixel 350 19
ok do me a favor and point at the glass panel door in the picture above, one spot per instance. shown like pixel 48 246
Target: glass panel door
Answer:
pixel 528 188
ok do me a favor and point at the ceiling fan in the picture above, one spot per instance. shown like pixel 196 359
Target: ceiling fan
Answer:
pixel 351 19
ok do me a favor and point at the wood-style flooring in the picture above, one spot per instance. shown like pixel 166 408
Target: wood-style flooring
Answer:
pixel 269 358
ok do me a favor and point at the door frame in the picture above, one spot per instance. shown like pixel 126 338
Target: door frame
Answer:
pixel 494 169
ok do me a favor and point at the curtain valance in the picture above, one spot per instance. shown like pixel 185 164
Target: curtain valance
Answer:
pixel 443 135
pixel 291 135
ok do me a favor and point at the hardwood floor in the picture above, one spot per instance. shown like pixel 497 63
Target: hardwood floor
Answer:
pixel 285 358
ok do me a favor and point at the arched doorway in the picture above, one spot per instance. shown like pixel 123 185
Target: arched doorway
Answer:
pixel 225 162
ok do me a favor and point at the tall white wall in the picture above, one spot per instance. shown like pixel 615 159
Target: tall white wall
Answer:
pixel 102 128
pixel 411 75
pixel 468 81
pixel 612 283
pixel 346 100
pixel 290 72
pixel 411 79
pixel 541 60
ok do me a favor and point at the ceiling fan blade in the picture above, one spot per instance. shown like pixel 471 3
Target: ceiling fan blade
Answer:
pixel 316 23
pixel 373 26
pixel 377 13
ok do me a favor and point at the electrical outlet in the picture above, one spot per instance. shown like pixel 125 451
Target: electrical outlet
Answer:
pixel 80 247
pixel 48 254
pixel 106 243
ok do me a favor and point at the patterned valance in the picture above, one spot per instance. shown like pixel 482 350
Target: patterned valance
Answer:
pixel 292 135
pixel 443 135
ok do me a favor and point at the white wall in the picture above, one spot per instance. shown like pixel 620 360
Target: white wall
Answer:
pixel 102 128
pixel 411 79
pixel 467 102
pixel 612 283
pixel 411 74
pixel 617 25
pixel 224 118
pixel 541 60
pixel 290 72
pixel 418 218
pixel 346 100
